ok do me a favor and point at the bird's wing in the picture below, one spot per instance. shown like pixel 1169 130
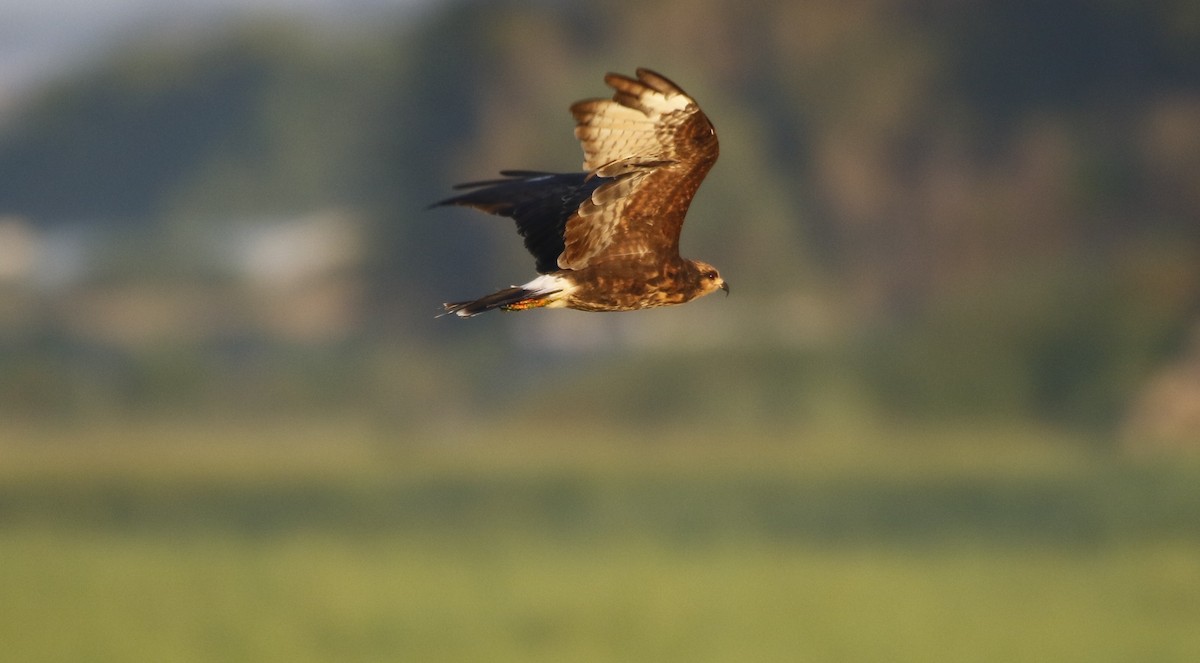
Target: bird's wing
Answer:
pixel 539 202
pixel 656 145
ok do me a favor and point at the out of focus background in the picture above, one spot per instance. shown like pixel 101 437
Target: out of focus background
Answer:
pixel 950 412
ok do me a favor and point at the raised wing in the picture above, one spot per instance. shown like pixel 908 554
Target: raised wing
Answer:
pixel 656 145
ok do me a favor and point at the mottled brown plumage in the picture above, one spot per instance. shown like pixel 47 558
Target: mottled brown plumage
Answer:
pixel 607 239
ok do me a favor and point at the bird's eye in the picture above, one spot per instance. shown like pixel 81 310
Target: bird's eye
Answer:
pixel 711 276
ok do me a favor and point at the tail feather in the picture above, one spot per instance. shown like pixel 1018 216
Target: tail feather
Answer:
pixel 515 298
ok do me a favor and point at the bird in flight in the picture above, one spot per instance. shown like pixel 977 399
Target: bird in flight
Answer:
pixel 607 239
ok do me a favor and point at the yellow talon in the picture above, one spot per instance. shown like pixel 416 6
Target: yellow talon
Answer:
pixel 526 304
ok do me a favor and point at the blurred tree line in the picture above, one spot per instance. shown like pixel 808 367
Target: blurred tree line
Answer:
pixel 993 204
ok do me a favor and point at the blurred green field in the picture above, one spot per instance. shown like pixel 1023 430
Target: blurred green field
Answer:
pixel 341 541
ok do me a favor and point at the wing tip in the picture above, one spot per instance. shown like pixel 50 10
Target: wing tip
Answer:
pixel 658 82
pixel 582 110
pixel 646 79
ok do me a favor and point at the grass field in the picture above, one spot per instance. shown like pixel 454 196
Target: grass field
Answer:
pixel 336 541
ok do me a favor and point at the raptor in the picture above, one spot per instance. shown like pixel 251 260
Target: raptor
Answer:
pixel 607 238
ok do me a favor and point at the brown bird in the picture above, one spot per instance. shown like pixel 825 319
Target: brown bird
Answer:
pixel 607 239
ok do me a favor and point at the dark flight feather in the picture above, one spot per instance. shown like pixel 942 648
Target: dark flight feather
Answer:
pixel 539 202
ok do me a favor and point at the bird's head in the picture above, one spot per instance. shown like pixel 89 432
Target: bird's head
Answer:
pixel 710 279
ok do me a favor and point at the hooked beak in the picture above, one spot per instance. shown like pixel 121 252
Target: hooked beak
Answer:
pixel 725 287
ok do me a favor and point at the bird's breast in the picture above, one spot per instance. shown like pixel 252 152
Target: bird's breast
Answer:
pixel 629 288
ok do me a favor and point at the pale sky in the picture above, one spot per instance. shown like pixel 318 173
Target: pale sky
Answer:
pixel 43 38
